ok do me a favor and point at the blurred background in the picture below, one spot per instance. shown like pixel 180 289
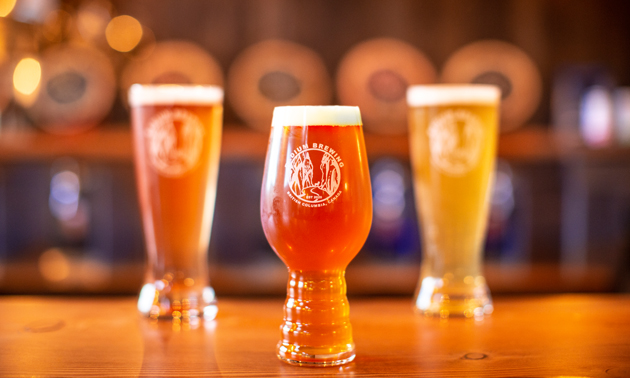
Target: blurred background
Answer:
pixel 560 212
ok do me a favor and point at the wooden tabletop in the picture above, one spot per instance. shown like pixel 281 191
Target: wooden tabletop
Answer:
pixel 542 336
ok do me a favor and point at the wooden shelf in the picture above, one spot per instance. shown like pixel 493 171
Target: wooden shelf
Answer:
pixel 371 278
pixel 113 143
pixel 100 144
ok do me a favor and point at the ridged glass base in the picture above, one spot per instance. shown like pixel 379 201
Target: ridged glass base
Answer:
pixel 305 356
pixel 316 330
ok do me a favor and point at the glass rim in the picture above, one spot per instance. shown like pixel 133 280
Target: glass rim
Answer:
pixel 167 94
pixel 313 115
pixel 442 94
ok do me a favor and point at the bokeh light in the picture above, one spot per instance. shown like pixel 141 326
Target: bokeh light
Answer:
pixel 92 18
pixel 145 47
pixel 65 194
pixel 27 76
pixel 6 6
pixel 597 116
pixel 123 33
pixel 54 265
pixel 3 43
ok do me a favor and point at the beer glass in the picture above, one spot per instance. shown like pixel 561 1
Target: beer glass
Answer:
pixel 453 136
pixel 177 140
pixel 316 212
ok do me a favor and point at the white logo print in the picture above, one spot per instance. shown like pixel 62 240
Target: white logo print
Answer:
pixel 174 141
pixel 455 138
pixel 315 175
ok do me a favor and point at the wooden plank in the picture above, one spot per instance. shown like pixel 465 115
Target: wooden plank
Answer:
pixel 549 336
pixel 372 278
pixel 529 144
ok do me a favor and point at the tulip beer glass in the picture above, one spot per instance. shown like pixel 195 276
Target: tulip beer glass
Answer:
pixel 316 211
pixel 177 140
pixel 453 136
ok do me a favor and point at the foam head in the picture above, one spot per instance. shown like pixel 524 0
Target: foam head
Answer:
pixel 443 94
pixel 170 94
pixel 316 116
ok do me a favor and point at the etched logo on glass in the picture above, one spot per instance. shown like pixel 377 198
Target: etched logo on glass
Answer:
pixel 455 141
pixel 174 142
pixel 315 175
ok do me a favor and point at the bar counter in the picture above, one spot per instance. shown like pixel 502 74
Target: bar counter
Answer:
pixel 536 336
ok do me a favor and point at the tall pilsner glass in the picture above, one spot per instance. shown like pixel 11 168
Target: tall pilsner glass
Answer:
pixel 453 137
pixel 177 141
pixel 316 211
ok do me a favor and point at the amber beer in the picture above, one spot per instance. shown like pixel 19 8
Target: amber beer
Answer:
pixel 316 211
pixel 453 137
pixel 177 140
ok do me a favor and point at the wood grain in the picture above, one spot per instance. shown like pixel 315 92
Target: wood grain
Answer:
pixel 543 336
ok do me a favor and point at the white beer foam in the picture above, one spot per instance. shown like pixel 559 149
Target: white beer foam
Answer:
pixel 316 115
pixel 168 94
pixel 442 94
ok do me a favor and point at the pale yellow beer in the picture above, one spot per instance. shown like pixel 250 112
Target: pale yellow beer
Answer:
pixel 453 140
pixel 177 141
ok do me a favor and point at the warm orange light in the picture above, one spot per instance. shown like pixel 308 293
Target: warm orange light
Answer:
pixel 3 42
pixel 91 19
pixel 27 76
pixel 123 33
pixel 6 6
pixel 54 265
